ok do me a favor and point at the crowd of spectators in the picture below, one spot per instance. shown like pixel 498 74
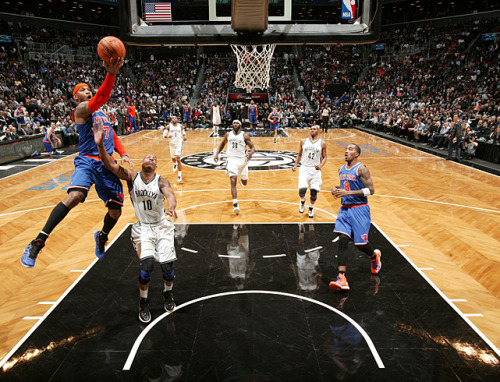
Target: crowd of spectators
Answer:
pixel 412 90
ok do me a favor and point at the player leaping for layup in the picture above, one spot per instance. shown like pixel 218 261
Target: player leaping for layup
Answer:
pixel 89 169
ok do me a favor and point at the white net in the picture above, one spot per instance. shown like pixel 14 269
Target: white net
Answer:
pixel 254 62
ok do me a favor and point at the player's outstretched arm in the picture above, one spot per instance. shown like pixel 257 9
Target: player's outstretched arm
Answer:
pixel 108 162
pixel 364 175
pixel 323 157
pixel 299 156
pixel 166 188
pixel 85 109
pixel 221 146
pixel 249 143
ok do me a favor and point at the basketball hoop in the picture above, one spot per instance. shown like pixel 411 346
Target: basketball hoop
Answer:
pixel 253 66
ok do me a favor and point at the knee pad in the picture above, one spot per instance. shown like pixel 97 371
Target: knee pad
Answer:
pixel 314 195
pixel 147 266
pixel 168 271
pixel 343 241
pixel 302 192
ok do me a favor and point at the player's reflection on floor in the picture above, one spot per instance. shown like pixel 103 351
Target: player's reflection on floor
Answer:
pixel 306 267
pixel 237 255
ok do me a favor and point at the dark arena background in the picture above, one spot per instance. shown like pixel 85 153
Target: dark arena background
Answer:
pixel 252 294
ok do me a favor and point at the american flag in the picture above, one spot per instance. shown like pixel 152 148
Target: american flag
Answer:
pixel 157 12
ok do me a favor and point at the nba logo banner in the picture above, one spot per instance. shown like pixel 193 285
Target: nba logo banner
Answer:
pixel 348 9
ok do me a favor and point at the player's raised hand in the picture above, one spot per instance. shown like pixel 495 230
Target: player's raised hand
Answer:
pixel 171 212
pixel 98 135
pixel 113 66
pixel 126 159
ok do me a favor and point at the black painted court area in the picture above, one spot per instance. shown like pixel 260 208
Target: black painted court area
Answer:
pixel 255 336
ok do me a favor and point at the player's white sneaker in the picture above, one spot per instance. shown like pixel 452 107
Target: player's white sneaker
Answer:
pixel 302 207
pixel 179 179
pixel 311 212
pixel 236 208
pixel 174 169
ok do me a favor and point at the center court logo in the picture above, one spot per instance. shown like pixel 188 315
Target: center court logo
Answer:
pixel 262 160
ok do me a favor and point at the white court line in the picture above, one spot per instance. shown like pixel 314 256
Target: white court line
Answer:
pixel 277 201
pixel 458 300
pixel 48 312
pixel 367 338
pixel 403 245
pixel 6 167
pixel 32 318
pixel 77 270
pixel 230 256
pixel 270 256
pixel 189 250
pixel 252 200
pixel 34 166
pixel 336 239
pixel 46 302
pixel 443 296
pixel 426 269
pixel 313 249
pixel 473 315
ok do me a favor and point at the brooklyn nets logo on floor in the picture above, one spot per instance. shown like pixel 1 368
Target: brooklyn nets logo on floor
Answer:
pixel 261 160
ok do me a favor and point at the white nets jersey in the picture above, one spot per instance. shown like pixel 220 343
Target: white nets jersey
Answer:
pixel 311 153
pixel 236 146
pixel 147 199
pixel 175 131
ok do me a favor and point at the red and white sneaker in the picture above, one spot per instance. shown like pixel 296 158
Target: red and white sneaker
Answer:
pixel 340 284
pixel 376 263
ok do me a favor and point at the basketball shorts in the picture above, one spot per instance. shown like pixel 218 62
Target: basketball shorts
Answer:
pixel 89 171
pixel 176 149
pixel 309 176
pixel 274 126
pixel 237 167
pixel 252 118
pixel 154 241
pixel 187 118
pixel 355 223
pixel 48 146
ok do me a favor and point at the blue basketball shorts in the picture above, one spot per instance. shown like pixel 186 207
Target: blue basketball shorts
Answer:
pixel 187 117
pixel 48 146
pixel 274 126
pixel 252 118
pixel 354 222
pixel 88 172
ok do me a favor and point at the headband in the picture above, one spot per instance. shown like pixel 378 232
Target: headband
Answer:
pixel 77 87
pixel 236 120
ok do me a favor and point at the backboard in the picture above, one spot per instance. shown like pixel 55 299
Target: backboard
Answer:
pixel 208 22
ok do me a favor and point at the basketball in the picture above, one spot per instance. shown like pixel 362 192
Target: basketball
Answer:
pixel 110 47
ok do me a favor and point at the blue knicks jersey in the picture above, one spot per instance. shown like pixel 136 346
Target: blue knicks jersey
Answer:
pixel 350 181
pixel 274 117
pixel 86 144
pixel 252 109
pixel 186 109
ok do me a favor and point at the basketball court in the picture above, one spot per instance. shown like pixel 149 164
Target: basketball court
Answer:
pixel 253 302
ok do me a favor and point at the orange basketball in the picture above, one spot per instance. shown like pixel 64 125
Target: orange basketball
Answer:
pixel 110 47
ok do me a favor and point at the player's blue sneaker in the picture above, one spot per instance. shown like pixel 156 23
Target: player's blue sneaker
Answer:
pixel 31 252
pixel 100 243
pixel 35 154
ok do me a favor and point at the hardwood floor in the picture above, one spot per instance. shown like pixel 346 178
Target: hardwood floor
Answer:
pixel 444 216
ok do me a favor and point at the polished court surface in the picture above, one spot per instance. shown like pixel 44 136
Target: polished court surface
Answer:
pixel 252 290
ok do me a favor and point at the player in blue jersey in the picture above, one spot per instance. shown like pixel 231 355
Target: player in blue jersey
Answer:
pixel 274 122
pixel 50 142
pixel 188 114
pixel 354 220
pixel 253 114
pixel 89 168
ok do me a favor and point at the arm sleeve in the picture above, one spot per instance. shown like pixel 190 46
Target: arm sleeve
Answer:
pixel 119 148
pixel 103 94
